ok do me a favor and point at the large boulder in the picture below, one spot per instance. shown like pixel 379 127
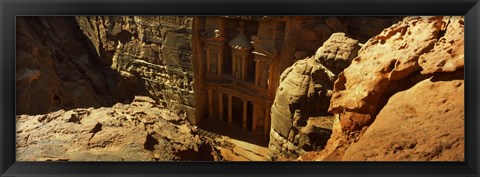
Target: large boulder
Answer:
pixel 300 120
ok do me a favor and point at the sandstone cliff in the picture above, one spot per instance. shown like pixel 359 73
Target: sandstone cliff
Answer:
pixel 153 51
pixel 402 97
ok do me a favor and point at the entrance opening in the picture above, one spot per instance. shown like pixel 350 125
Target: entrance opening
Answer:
pixel 237 113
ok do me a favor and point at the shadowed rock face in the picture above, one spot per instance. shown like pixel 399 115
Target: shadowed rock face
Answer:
pixel 300 121
pixel 55 68
pixel 420 62
pixel 139 131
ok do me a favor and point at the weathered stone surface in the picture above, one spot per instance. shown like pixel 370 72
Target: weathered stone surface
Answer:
pixel 424 118
pixel 338 51
pixel 55 69
pixel 154 50
pixel 299 112
pixel 425 122
pixel 140 131
pixel 390 56
pixel 448 53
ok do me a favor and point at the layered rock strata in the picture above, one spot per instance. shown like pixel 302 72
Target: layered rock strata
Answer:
pixel 156 51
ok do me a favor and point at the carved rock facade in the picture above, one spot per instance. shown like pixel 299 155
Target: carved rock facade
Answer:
pixel 155 52
pixel 240 59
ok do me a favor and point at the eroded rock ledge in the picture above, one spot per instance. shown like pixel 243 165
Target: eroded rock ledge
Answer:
pixel 139 131
pixel 402 97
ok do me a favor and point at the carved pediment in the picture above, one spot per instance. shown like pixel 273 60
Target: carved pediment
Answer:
pixel 264 47
pixel 215 41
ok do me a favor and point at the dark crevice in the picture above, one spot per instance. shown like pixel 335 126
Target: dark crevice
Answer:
pixel 441 33
pixel 391 66
pixel 74 118
pixel 96 129
pixel 56 100
pixel 124 37
pixel 150 143
pixel 449 76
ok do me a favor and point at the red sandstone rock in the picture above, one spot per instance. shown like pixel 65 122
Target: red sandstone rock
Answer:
pixel 425 122
pixel 424 118
pixel 448 53
pixel 351 121
pixel 390 56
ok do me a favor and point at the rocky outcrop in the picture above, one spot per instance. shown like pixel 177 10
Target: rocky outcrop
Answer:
pixel 422 123
pixel 156 51
pixel 358 99
pixel 139 131
pixel 300 121
pixel 420 62
pixel 56 70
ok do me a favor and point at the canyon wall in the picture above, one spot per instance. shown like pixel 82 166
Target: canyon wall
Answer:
pixel 155 52
pixel 56 69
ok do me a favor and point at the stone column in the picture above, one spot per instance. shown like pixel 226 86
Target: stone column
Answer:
pixel 244 122
pixel 220 106
pixel 255 117
pixel 207 51
pixel 230 109
pixel 210 104
pixel 220 62
pixel 257 69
